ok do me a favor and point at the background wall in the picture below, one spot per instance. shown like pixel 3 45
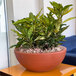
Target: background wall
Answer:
pixel 72 29
pixel 23 7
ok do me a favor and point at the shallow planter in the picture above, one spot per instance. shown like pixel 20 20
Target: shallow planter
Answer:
pixel 40 62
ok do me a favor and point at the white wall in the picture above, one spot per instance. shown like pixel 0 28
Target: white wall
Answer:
pixel 72 29
pixel 23 7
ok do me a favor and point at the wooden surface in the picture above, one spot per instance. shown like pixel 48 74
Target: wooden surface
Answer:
pixel 61 70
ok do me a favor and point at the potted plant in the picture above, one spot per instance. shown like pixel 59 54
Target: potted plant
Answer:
pixel 39 38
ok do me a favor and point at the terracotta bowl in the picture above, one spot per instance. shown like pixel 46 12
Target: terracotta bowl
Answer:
pixel 40 62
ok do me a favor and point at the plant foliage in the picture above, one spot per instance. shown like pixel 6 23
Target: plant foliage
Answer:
pixel 42 31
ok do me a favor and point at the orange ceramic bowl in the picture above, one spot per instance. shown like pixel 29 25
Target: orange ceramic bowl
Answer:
pixel 40 62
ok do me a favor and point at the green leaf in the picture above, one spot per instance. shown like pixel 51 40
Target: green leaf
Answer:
pixel 49 34
pixel 19 39
pixel 30 31
pixel 54 4
pixel 51 9
pixel 31 16
pixel 67 6
pixel 61 37
pixel 41 33
pixel 69 19
pixel 13 21
pixel 24 43
pixel 19 21
pixel 62 25
pixel 57 9
pixel 13 46
pixel 18 34
pixel 62 29
pixel 38 14
pixel 19 44
pixel 40 38
pixel 66 12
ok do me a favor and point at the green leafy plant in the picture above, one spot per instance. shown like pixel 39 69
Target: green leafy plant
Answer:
pixel 42 31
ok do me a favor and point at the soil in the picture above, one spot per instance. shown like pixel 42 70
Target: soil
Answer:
pixel 38 50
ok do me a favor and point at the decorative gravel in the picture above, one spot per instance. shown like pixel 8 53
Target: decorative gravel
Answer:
pixel 38 50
